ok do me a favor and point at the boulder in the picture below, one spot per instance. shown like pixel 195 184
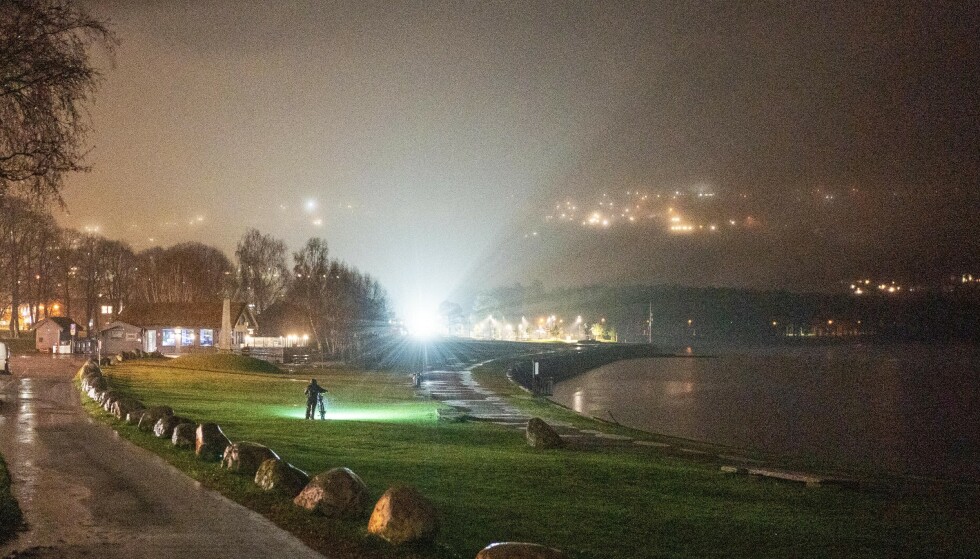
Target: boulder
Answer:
pixel 90 366
pixel 184 435
pixel 123 406
pixel 109 398
pixel 517 550
pixel 97 382
pixel 120 357
pixel 164 427
pixel 336 492
pixel 152 415
pixel 134 417
pixel 210 442
pixel 404 515
pixel 95 393
pixel 87 376
pixel 109 395
pixel 281 477
pixel 105 362
pixel 246 457
pixel 540 435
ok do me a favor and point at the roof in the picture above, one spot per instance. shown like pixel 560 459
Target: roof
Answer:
pixel 187 315
pixel 117 324
pixel 62 321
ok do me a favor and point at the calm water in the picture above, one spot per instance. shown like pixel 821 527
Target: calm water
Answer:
pixel 911 409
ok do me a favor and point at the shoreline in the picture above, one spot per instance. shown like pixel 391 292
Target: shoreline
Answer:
pixel 868 474
pixel 562 364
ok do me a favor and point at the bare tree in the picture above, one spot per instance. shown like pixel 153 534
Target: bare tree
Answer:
pixel 46 78
pixel 309 292
pixel 187 272
pixel 339 302
pixel 118 273
pixel 18 220
pixel 64 259
pixel 39 243
pixel 262 273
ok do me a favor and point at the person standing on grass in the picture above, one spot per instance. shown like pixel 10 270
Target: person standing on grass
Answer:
pixel 313 391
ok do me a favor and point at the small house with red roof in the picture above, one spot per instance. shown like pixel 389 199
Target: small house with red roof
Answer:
pixel 57 334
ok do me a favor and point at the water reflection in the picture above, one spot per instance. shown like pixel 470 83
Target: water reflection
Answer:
pixel 27 420
pixel 678 388
pixel 898 408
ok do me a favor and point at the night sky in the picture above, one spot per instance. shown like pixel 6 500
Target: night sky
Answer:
pixel 429 142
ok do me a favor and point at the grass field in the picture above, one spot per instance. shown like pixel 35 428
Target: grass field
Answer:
pixel 490 486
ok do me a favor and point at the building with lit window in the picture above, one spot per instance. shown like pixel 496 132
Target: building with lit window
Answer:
pixel 179 328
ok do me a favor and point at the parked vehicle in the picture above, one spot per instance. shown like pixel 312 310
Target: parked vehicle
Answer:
pixel 5 358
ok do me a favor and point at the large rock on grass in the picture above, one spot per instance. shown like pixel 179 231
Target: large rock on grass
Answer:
pixel 164 427
pixel 518 550
pixel 210 442
pixel 540 435
pixel 336 492
pixel 184 435
pixel 94 382
pixel 123 406
pixel 245 457
pixel 281 477
pixel 107 397
pixel 87 374
pixel 90 367
pixel 134 417
pixel 153 414
pixel 404 515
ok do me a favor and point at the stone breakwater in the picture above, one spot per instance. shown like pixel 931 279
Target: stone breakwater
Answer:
pixel 565 363
pixel 401 516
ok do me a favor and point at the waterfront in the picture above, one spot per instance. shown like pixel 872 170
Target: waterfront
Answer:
pixel 900 408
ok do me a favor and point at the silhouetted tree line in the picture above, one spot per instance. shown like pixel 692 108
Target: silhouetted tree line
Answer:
pixel 86 274
pixel 686 314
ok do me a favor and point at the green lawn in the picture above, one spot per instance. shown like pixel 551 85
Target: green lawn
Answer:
pixel 490 486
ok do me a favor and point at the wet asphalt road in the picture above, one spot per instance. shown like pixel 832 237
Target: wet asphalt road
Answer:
pixel 85 492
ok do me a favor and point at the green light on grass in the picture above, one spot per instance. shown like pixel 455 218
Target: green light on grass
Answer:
pixel 389 413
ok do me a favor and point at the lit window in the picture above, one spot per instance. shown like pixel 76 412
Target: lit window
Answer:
pixel 207 337
pixel 106 309
pixel 167 338
pixel 186 337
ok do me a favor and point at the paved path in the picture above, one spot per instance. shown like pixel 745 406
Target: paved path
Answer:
pixel 86 492
pixel 462 392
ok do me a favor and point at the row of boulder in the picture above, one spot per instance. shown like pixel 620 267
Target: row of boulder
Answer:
pixel 127 356
pixel 402 514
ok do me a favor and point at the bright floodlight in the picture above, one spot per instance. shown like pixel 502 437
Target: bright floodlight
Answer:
pixel 423 325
